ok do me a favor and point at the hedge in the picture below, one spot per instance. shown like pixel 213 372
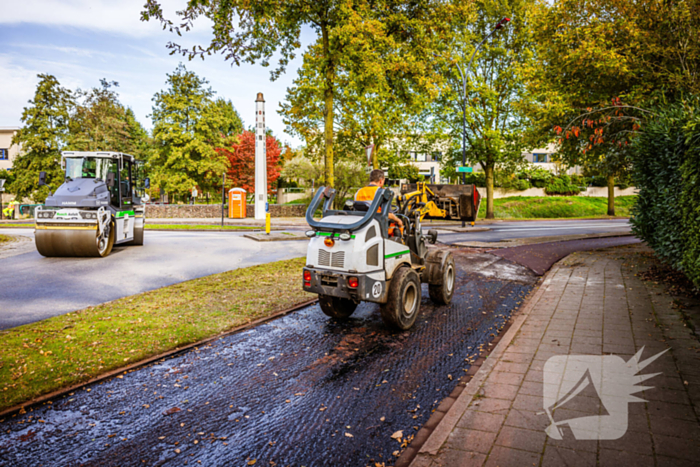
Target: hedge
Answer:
pixel 667 173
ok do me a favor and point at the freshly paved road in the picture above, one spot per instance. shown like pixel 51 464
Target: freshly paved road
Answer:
pixel 508 230
pixel 299 390
pixel 33 288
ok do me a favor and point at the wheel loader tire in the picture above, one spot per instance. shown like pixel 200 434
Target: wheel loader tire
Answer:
pixel 336 307
pixel 404 296
pixel 74 243
pixel 441 294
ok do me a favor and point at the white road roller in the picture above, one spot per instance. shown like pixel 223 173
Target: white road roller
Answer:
pixel 357 255
pixel 100 204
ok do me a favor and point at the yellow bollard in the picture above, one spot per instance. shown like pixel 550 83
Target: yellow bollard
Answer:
pixel 267 223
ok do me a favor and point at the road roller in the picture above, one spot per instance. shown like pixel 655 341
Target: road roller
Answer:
pixel 100 204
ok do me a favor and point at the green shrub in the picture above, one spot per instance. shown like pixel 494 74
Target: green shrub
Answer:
pixel 561 186
pixel 537 176
pixel 667 174
pixel 522 185
pixel 475 178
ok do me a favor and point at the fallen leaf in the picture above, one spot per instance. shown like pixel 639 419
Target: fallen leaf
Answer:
pixel 382 419
pixel 398 435
pixel 172 410
pixel 177 451
pixel 251 462
pixel 348 435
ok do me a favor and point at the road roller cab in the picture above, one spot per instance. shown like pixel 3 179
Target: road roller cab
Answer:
pixel 356 256
pixel 100 204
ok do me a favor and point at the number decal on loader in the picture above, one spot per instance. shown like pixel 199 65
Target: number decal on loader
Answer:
pixel 377 289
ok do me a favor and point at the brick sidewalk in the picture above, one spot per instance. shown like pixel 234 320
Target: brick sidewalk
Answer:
pixel 591 303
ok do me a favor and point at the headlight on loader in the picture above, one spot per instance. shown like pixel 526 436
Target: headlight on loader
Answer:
pixel 345 236
pixel 310 233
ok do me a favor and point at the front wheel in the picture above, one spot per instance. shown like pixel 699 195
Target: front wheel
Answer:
pixel 401 309
pixel 441 294
pixel 336 307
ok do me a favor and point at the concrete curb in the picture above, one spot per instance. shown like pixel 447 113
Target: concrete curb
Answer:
pixel 169 353
pixel 275 237
pixel 451 417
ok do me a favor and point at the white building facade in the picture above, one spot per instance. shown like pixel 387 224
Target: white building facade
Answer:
pixel 8 151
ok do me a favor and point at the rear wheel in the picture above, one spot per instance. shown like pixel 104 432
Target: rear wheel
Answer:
pixel 401 309
pixel 441 294
pixel 105 241
pixel 336 307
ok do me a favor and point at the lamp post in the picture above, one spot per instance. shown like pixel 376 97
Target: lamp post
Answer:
pixel 464 76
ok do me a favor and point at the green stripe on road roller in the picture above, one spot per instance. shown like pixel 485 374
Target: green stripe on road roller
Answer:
pixel 124 213
pixel 397 254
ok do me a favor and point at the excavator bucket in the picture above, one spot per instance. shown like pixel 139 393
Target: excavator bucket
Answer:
pixel 460 202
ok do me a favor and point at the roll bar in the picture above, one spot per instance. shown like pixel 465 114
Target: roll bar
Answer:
pixel 382 199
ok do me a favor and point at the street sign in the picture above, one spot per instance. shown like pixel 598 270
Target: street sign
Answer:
pixel 464 170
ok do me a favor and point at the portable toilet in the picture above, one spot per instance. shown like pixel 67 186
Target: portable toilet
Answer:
pixel 236 203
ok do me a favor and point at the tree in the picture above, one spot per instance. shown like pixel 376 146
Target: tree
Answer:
pixel 251 31
pixel 188 126
pixel 494 88
pixel 598 62
pixel 101 123
pixel 42 137
pixel 241 157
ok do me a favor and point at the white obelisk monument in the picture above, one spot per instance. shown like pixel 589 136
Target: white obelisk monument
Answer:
pixel 260 160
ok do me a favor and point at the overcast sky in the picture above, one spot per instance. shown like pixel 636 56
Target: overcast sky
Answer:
pixel 82 41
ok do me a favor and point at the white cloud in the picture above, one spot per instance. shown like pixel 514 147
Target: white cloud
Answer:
pixel 120 17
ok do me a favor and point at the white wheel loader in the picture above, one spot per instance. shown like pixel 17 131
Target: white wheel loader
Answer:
pixel 100 204
pixel 358 255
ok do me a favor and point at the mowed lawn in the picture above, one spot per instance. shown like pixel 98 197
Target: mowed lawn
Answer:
pixel 48 355
pixel 553 207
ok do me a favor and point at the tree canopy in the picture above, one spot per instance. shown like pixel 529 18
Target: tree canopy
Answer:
pixel 188 126
pixel 346 32
pixel 44 134
pixel 241 157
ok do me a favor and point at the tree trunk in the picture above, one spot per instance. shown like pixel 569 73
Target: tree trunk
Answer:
pixel 489 192
pixel 328 110
pixel 375 157
pixel 611 195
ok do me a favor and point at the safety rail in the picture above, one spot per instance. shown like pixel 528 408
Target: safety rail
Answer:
pixel 382 199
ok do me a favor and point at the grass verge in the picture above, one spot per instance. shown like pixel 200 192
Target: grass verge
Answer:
pixel 556 207
pixel 65 350
pixel 5 238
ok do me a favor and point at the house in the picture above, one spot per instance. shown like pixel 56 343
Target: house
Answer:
pixel 8 151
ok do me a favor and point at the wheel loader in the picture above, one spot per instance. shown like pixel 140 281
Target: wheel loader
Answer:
pixel 451 202
pixel 357 254
pixel 100 204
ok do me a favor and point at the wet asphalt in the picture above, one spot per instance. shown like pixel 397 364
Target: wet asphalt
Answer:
pixel 299 390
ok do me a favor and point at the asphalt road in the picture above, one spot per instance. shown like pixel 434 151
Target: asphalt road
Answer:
pixel 33 288
pixel 299 390
pixel 508 230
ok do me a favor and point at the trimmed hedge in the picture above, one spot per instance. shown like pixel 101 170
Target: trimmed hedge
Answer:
pixel 667 174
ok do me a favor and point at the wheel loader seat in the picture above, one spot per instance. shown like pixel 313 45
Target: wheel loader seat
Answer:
pixel 361 206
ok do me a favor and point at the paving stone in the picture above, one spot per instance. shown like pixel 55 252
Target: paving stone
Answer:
pixel 507 367
pixel 676 447
pixel 658 409
pixel 473 420
pixel 498 377
pixel 633 441
pixel 471 440
pixel 499 391
pixel 558 457
pixel 499 406
pixel 518 438
pixel 455 458
pixel 536 421
pixel 613 458
pixel 525 402
pixel 506 457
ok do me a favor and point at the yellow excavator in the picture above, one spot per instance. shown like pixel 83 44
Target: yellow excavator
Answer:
pixel 450 202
